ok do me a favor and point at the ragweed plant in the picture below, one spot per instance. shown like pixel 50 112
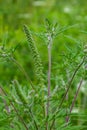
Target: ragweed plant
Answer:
pixel 44 106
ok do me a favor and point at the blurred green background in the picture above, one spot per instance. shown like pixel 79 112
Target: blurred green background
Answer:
pixel 15 13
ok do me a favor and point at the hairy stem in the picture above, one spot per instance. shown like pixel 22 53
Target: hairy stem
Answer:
pixel 49 76
pixel 75 97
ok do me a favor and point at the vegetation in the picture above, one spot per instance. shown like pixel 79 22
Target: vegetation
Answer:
pixel 43 65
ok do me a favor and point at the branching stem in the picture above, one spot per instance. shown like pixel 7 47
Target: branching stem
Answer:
pixel 68 87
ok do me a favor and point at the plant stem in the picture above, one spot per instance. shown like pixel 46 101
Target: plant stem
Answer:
pixel 4 101
pixel 24 72
pixel 68 87
pixel 35 123
pixel 70 82
pixel 75 97
pixel 15 110
pixel 66 109
pixel 49 77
